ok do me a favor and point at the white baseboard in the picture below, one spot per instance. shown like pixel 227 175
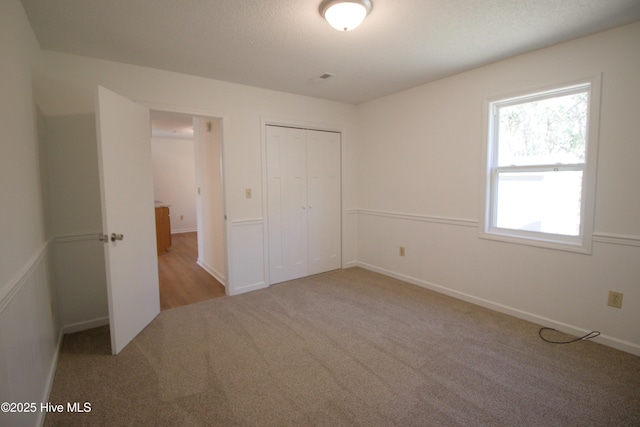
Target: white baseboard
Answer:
pixel 87 324
pixel 50 376
pixel 212 271
pixel 184 230
pixel 249 288
pixel 534 318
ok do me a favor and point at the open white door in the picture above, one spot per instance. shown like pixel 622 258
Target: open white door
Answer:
pixel 128 221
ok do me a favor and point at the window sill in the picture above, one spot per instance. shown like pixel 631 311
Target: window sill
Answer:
pixel 581 247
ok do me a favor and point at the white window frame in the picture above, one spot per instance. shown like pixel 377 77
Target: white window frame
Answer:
pixel 581 243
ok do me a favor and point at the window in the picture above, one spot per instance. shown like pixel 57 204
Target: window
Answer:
pixel 540 173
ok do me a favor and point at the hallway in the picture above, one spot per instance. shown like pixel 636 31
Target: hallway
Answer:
pixel 182 281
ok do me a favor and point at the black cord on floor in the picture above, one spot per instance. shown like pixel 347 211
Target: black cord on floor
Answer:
pixel 590 335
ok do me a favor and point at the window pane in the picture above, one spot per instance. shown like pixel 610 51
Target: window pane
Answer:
pixel 547 202
pixel 545 131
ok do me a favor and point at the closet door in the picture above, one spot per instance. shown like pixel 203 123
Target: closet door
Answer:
pixel 324 201
pixel 286 152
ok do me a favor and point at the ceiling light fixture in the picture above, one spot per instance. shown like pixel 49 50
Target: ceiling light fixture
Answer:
pixel 345 15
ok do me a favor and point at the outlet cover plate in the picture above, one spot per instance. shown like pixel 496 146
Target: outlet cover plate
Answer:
pixel 615 299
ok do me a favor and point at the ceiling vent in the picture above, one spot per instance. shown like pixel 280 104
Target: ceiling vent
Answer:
pixel 322 78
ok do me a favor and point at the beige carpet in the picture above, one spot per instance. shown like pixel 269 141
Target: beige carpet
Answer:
pixel 344 348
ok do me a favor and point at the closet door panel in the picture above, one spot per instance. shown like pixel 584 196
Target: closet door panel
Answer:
pixel 296 226
pixel 286 203
pixel 275 204
pixel 324 222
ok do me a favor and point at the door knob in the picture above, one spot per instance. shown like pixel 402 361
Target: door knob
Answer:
pixel 115 237
pixel 103 237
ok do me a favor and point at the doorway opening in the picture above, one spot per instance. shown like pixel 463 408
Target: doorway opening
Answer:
pixel 188 191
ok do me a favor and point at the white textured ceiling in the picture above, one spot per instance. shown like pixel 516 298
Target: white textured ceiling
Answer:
pixel 171 125
pixel 285 45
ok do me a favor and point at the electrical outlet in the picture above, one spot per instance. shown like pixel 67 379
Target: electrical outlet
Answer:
pixel 615 299
pixel 401 250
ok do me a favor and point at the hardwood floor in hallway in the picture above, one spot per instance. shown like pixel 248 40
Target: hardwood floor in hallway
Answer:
pixel 182 280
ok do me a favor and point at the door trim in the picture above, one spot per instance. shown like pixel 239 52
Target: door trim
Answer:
pixel 224 119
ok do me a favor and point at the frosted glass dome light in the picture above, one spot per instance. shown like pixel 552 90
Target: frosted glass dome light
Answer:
pixel 345 15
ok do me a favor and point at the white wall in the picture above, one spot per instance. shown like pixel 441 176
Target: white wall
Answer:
pixel 212 254
pixel 174 180
pixel 419 186
pixel 29 334
pixel 76 215
pixel 66 85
